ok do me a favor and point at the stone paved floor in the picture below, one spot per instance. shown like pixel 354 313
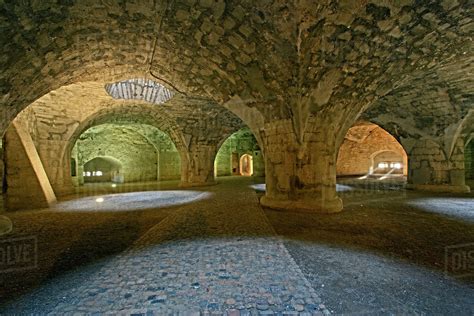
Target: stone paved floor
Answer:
pixel 385 254
pixel 217 254
pixel 214 250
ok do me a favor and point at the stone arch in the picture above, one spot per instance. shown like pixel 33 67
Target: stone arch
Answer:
pixel 389 157
pixel 469 140
pixel 362 143
pixel 77 41
pixel 54 123
pixel 137 146
pixel 233 147
pixel 34 94
pixel 428 104
pixel 72 31
pixel 130 114
pixel 109 167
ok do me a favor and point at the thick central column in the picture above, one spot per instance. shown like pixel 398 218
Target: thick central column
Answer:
pixel 197 166
pixel 300 176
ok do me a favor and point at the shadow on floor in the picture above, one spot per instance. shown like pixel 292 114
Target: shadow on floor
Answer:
pixel 401 225
pixel 381 222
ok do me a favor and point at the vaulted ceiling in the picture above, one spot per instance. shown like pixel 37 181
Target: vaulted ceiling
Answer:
pixel 409 62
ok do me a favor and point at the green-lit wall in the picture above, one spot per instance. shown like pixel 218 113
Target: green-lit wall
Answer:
pixel 145 153
pixel 238 144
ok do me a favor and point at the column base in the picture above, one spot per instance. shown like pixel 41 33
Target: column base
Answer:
pixel 196 184
pixel 314 206
pixel 21 203
pixel 65 191
pixel 441 188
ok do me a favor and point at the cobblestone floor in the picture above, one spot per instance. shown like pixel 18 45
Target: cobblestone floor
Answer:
pixel 385 254
pixel 214 251
pixel 214 255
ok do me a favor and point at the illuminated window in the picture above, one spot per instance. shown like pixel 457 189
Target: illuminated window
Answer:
pixel 99 173
pixel 396 165
pixel 383 165
pixel 139 89
pixel 88 174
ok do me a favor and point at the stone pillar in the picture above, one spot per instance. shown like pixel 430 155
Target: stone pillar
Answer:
pixel 300 177
pixel 79 178
pixel 57 165
pixel 197 166
pixel 430 169
pixel 158 177
pixel 258 164
pixel 28 186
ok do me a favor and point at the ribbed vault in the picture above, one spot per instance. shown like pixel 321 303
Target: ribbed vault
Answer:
pixel 286 59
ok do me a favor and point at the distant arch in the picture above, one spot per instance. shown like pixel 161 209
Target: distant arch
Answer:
pixel 369 149
pixel 385 161
pixel 239 152
pixel 146 153
pixel 103 169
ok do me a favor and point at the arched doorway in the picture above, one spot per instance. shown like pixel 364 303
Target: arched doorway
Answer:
pixel 239 155
pixel 103 169
pixel 246 165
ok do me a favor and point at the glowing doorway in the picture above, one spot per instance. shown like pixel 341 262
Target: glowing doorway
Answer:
pixel 246 165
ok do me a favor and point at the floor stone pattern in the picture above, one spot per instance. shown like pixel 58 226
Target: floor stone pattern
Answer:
pixel 199 260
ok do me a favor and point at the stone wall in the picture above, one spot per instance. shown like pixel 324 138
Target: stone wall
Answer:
pixel 169 159
pixel 145 153
pixel 228 157
pixel 431 168
pixel 280 61
pixel 357 154
pixel 137 155
pixel 28 119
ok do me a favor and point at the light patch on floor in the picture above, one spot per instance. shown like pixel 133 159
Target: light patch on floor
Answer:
pixel 131 201
pixel 452 206
pixel 261 187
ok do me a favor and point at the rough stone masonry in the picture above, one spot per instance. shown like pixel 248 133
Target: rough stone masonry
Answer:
pixel 299 74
